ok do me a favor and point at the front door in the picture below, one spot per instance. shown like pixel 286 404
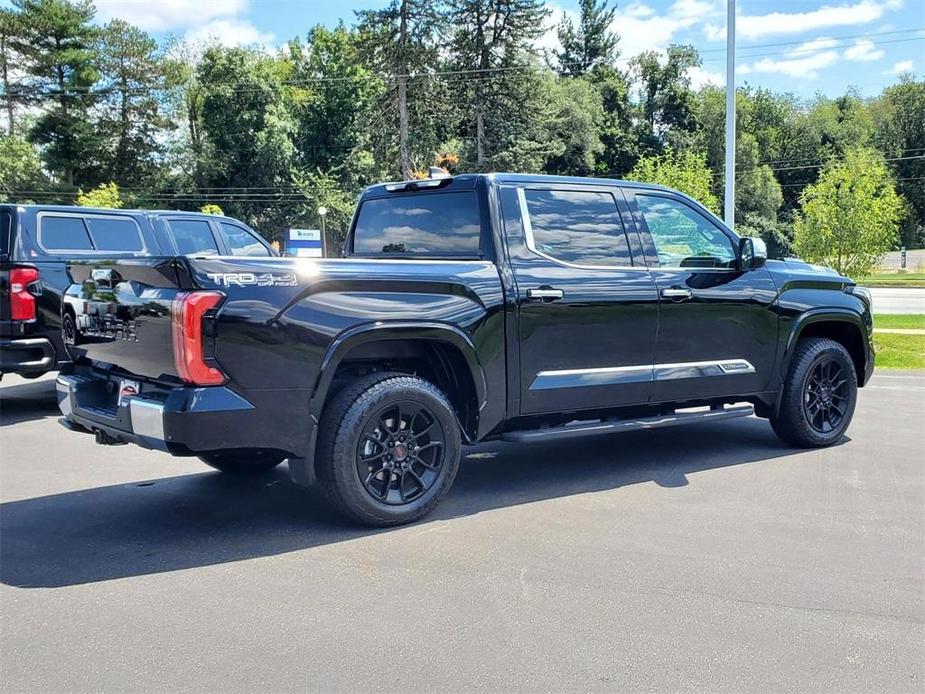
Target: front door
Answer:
pixel 586 308
pixel 717 327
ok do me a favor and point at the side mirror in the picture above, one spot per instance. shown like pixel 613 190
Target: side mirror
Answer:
pixel 753 253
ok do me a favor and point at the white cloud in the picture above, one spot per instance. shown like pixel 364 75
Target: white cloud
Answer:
pixel 779 23
pixel 900 67
pixel 803 62
pixel 701 77
pixel 863 52
pixel 640 29
pixel 228 32
pixel 167 15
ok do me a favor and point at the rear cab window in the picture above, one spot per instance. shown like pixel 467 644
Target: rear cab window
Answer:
pixel 89 234
pixel 445 225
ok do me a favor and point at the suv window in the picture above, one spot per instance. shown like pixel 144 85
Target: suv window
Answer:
pixel 193 237
pixel 443 224
pixel 64 234
pixel 683 237
pixel 241 242
pixel 582 227
pixel 113 234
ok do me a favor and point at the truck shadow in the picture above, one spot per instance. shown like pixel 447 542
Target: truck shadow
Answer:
pixel 188 521
pixel 28 400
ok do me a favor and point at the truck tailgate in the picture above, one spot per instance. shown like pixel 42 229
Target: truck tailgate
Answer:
pixel 119 312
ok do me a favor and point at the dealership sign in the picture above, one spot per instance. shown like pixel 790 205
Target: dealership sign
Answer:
pixel 305 243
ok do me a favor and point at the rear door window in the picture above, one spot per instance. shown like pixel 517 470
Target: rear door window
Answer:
pixel 6 233
pixel 115 234
pixel 582 227
pixel 64 234
pixel 193 237
pixel 433 224
pixel 241 242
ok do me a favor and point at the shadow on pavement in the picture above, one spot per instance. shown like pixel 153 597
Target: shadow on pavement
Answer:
pixel 27 401
pixel 188 521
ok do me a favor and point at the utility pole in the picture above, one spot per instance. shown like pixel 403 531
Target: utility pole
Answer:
pixel 729 199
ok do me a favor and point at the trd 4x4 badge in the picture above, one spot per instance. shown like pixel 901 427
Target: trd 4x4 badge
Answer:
pixel 244 279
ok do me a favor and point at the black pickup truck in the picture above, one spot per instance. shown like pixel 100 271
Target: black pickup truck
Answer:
pixel 37 242
pixel 525 308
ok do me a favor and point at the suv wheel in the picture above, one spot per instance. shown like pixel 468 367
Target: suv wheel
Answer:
pixel 388 449
pixel 243 461
pixel 819 396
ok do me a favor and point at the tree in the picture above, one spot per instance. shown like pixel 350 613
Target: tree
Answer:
pixel 574 125
pixel 899 115
pixel 618 132
pixel 666 102
pixel 9 58
pixel 20 169
pixel 104 195
pixel 397 41
pixel 495 59
pixel 58 46
pixel 247 132
pixel 132 72
pixel 211 208
pixel 684 171
pixel 591 43
pixel 757 192
pixel 333 111
pixel 849 217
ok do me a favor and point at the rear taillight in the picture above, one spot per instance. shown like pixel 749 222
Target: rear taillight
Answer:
pixel 187 313
pixel 22 303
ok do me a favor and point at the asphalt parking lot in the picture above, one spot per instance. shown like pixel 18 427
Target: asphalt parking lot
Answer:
pixel 708 558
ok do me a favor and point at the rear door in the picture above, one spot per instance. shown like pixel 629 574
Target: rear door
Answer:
pixel 717 331
pixel 586 306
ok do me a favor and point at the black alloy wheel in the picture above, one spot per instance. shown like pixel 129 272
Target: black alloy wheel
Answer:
pixel 825 396
pixel 400 453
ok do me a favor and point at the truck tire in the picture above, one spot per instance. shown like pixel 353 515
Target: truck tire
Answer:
pixel 243 461
pixel 388 449
pixel 819 395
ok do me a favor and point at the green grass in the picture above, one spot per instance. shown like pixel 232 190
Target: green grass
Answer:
pixel 900 351
pixel 915 321
pixel 893 279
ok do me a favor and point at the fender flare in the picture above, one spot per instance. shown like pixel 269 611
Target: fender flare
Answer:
pixel 818 315
pixel 399 330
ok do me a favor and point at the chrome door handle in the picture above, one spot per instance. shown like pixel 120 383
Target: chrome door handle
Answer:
pixel 677 293
pixel 545 293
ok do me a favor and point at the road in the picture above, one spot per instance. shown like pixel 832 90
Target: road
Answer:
pixel 898 299
pixel 708 558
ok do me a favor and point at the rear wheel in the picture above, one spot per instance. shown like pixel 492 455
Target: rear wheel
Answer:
pixel 388 450
pixel 819 395
pixel 243 461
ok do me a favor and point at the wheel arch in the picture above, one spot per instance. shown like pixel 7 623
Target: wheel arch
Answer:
pixel 844 326
pixel 441 353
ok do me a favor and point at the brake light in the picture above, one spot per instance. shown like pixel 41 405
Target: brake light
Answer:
pixel 22 303
pixel 187 312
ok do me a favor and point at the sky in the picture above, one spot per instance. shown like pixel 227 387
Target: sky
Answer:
pixel 799 46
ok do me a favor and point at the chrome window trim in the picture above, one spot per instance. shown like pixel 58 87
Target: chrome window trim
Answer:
pixel 641 373
pixel 83 251
pixel 531 244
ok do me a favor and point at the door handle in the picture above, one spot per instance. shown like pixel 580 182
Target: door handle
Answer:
pixel 679 293
pixel 545 294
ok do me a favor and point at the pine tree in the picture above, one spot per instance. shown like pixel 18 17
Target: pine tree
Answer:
pixel 398 41
pixel 591 43
pixel 58 44
pixel 494 53
pixel 9 58
pixel 132 75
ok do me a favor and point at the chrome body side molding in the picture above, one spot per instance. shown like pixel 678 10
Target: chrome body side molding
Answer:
pixel 615 375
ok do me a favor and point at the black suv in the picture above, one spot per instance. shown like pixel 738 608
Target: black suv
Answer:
pixel 39 242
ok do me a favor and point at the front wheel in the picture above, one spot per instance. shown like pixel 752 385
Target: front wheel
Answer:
pixel 243 462
pixel 819 396
pixel 388 449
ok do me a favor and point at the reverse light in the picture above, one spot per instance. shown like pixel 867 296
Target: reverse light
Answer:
pixel 22 303
pixel 187 314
